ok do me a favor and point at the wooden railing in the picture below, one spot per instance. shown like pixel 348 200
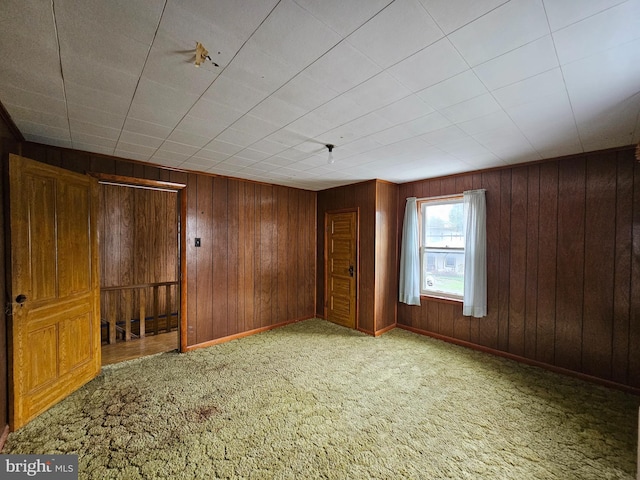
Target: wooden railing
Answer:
pixel 119 304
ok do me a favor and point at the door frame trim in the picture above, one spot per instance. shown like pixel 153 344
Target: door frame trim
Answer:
pixel 355 210
pixel 181 190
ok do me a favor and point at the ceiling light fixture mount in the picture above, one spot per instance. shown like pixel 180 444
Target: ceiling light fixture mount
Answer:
pixel 330 159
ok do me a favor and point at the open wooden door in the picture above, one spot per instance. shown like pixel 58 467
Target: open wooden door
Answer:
pixel 55 324
pixel 341 267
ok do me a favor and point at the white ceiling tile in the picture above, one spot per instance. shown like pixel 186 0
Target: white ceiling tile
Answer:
pixel 83 138
pixel 237 96
pixel 562 13
pixel 533 89
pixel 89 147
pixel 342 68
pixel 259 69
pixel 343 16
pixel 617 68
pixel 215 157
pixel 251 154
pixel 377 92
pixel 405 109
pixel 140 150
pixel 92 115
pixel 444 135
pixel 202 128
pixel 360 127
pixel 393 135
pixel 93 129
pixel 180 148
pixel 452 15
pixel 96 99
pixel 505 28
pixel 163 97
pixel 286 137
pixel 305 92
pixel 21 114
pixel 295 34
pixel 598 33
pixel 32 100
pixel 469 109
pixel 189 138
pixel 146 128
pixel 130 155
pixel 134 138
pixel 498 120
pixel 428 123
pixel 268 146
pixel 222 147
pixel 135 20
pixel 429 66
pixel 398 31
pixel 166 157
pixel 151 114
pixel 524 62
pixel 459 88
pixel 43 130
pixel 64 142
pixel 277 111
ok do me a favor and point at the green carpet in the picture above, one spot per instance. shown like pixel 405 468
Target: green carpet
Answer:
pixel 315 400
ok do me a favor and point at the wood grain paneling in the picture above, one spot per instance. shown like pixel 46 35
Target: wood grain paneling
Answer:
pixel 377 256
pixel 563 265
pixel 256 267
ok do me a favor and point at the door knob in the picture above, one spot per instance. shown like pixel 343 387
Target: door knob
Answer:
pixel 351 270
pixel 20 299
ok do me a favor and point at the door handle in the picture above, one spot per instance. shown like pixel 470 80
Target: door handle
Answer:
pixel 351 270
pixel 20 299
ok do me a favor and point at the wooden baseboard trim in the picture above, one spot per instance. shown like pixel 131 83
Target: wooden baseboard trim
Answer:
pixel 236 336
pixel 3 437
pixel 385 330
pixel 527 361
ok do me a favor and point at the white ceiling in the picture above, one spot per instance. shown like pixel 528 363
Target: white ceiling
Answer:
pixel 405 89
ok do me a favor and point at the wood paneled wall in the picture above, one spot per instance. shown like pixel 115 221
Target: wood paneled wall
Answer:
pixel 259 241
pixel 138 236
pixel 256 266
pixel 563 258
pixel 138 244
pixel 376 202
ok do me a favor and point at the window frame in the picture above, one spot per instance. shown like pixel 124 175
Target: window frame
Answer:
pixel 424 249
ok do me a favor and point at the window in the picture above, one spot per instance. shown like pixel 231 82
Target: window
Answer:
pixel 441 246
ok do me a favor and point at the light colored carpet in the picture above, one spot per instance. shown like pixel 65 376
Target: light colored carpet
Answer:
pixel 315 400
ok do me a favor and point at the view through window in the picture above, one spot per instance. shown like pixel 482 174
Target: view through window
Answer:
pixel 442 246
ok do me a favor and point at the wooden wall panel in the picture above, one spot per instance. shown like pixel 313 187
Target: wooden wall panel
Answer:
pixel 377 256
pixel 517 259
pixel 563 264
pixel 235 282
pixel 570 263
pixel 386 255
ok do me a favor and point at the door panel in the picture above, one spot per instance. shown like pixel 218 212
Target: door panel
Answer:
pixel 55 331
pixel 341 255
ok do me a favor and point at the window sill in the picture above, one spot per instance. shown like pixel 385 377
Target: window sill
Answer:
pixel 435 298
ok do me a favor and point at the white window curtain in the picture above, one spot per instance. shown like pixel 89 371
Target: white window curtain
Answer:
pixel 475 254
pixel 410 256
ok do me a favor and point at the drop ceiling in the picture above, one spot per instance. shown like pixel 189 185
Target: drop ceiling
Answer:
pixel 404 89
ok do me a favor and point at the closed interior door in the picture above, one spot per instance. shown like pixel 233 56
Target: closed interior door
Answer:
pixel 55 322
pixel 341 268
